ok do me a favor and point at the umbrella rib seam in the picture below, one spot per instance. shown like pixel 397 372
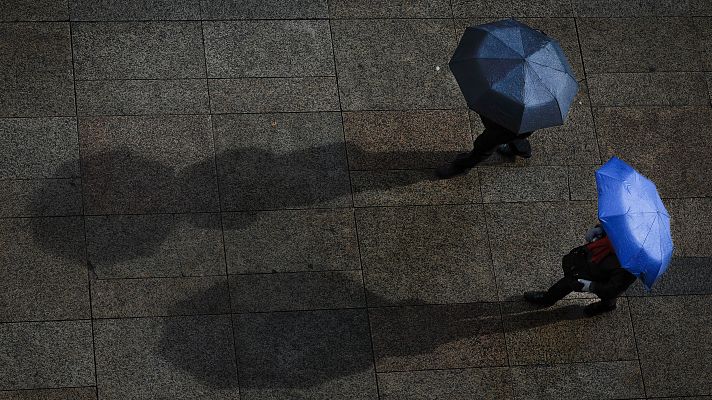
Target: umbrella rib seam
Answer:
pixel 558 105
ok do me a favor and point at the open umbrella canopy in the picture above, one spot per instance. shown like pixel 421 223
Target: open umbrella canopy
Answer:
pixel 635 219
pixel 514 75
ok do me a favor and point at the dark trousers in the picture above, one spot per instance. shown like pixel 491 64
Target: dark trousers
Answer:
pixel 487 142
pixel 563 288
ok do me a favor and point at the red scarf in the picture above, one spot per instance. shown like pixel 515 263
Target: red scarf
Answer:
pixel 599 249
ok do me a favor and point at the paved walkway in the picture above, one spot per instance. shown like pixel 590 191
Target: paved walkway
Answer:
pixel 233 200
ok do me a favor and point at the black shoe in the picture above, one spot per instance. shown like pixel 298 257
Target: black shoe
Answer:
pixel 538 298
pixel 510 151
pixel 597 308
pixel 450 170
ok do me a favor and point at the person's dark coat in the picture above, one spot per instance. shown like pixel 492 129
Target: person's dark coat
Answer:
pixel 609 279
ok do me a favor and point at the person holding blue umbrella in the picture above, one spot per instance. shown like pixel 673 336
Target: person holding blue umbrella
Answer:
pixel 632 241
pixel 518 80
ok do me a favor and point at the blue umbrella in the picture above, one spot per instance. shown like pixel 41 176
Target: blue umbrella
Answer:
pixel 514 75
pixel 635 219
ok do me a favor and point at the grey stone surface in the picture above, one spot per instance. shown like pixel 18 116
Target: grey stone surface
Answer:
pixel 595 381
pixel 131 97
pixel 34 10
pixel 297 291
pixel 703 30
pixel 562 334
pixel 405 139
pixel 148 164
pixel 85 393
pixel 636 8
pixel 506 184
pixel 274 161
pixel 40 197
pixel 162 245
pixel 133 10
pixel 389 9
pixel 651 137
pixel 38 148
pixel 274 95
pixel 456 384
pixel 395 64
pixel 46 354
pixel 138 50
pixel 43 270
pixel 264 9
pixel 515 8
pixel 417 255
pixel 541 233
pixel 35 70
pixel 117 298
pixel 684 276
pixel 437 337
pixel 582 182
pixel 413 187
pixel 691 221
pixel 675 344
pixel 174 357
pixel 306 355
pixel 290 241
pixel 643 89
pixel 283 48
pixel 625 45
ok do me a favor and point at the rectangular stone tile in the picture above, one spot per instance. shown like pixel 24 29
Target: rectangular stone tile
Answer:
pixel 117 298
pixel 582 182
pixel 38 148
pixel 145 164
pixel 43 271
pixel 633 8
pixel 85 393
pixel 249 95
pixel 633 89
pixel 420 255
pixel 703 31
pixel 46 354
pixel 542 233
pixel 34 10
pixel 625 45
pixel 138 50
pixel 669 145
pixel 264 9
pixel 691 224
pixel 297 291
pixel 306 355
pixel 413 187
pixel 709 85
pixel 674 343
pixel 389 9
pixel 174 357
pixel 437 337
pixel 284 48
pixel 456 384
pixel 517 8
pixel 395 64
pixel 405 139
pixel 131 97
pixel 274 161
pixel 40 197
pixel 506 184
pixel 290 241
pixel 684 276
pixel 580 381
pixel 162 245
pixel 133 10
pixel 562 334
pixel 36 70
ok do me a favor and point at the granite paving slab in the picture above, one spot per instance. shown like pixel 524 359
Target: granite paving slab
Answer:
pixel 395 64
pixel 507 184
pixel 161 245
pixel 133 10
pixel 276 161
pixel 634 8
pixel 684 276
pixel 645 89
pixel 675 344
pixel 43 271
pixel 144 164
pixel 36 10
pixel 40 197
pixel 174 357
pixel 514 8
pixel 290 241
pixel 691 220
pixel 473 383
pixel 305 355
pixel 264 9
pixel 425 255
pixel 46 355
pixel 582 182
pixel 703 30
pixel 85 393
pixel 36 76
pixel 138 50
pixel 389 9
pixel 279 48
